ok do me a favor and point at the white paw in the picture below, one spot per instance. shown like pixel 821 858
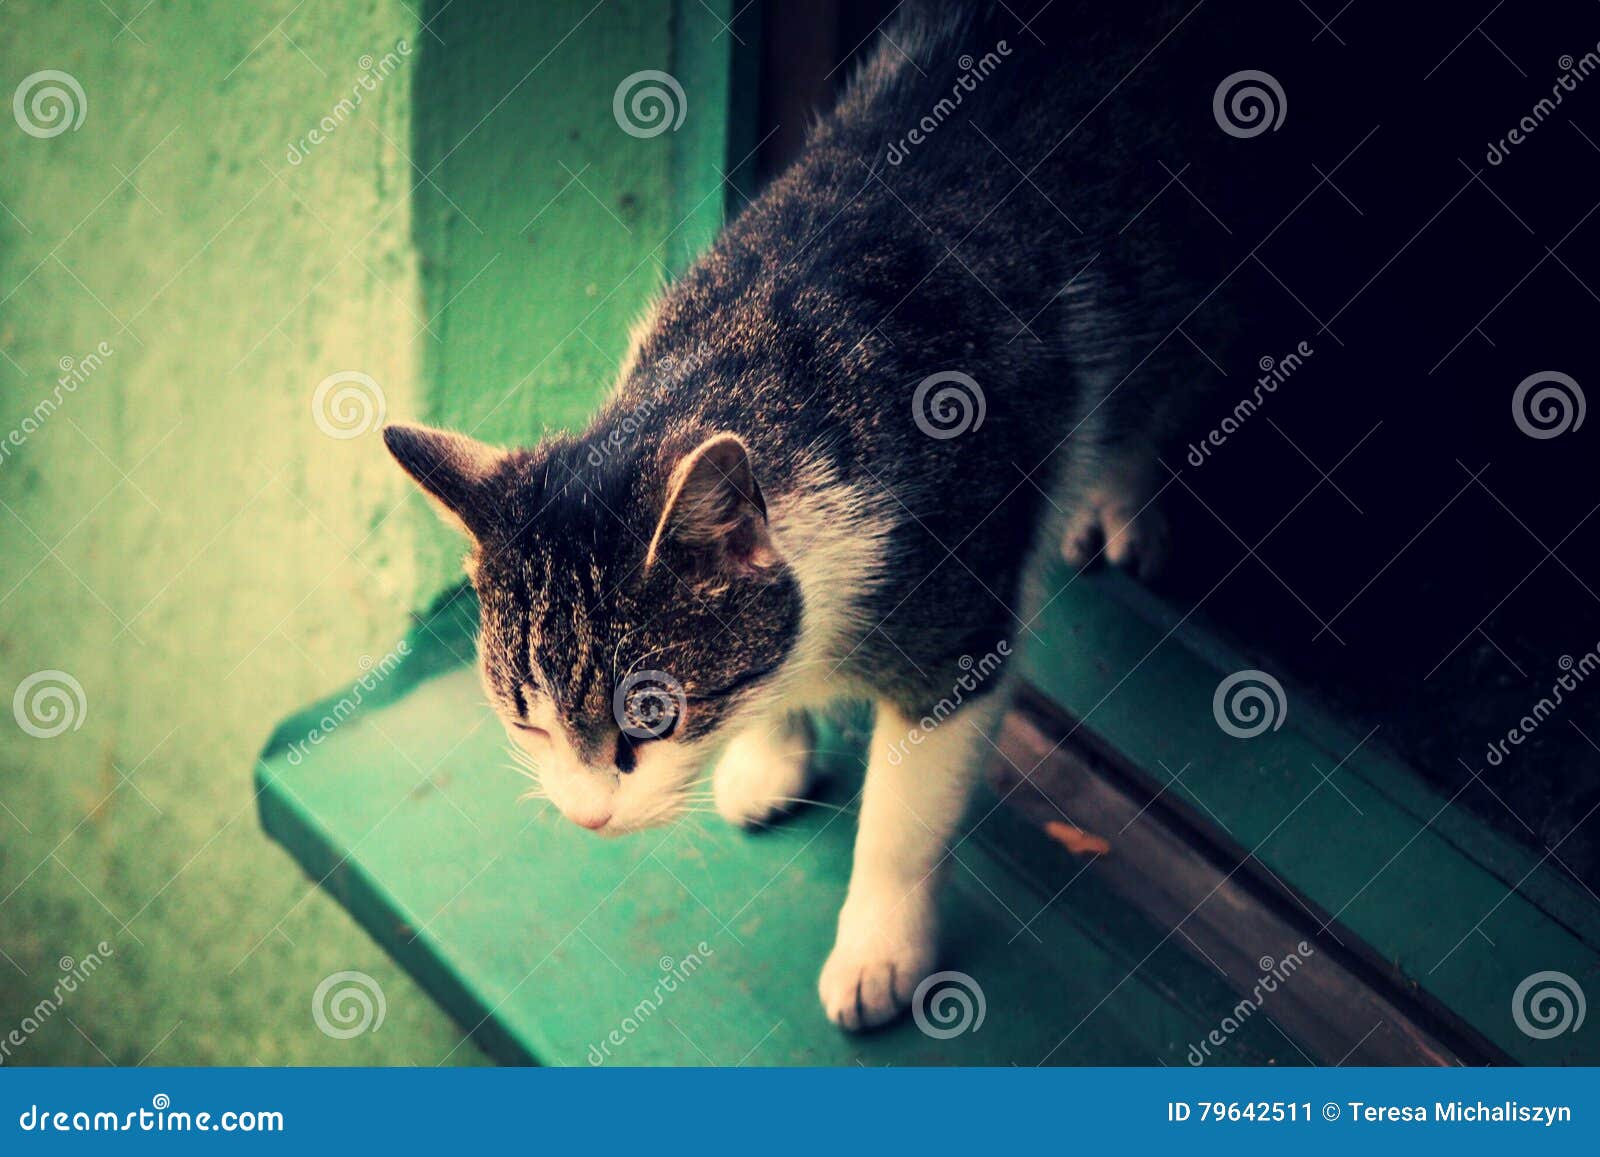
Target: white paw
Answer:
pixel 883 952
pixel 1132 536
pixel 763 772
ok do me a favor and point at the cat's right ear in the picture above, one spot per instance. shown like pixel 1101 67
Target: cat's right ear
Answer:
pixel 453 470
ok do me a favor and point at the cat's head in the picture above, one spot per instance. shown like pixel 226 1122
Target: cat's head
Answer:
pixel 634 606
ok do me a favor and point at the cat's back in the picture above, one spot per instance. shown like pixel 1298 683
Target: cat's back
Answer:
pixel 981 158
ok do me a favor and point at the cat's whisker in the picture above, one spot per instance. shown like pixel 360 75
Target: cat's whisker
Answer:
pixel 522 771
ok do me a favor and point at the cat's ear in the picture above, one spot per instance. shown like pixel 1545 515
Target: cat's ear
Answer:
pixel 715 520
pixel 452 469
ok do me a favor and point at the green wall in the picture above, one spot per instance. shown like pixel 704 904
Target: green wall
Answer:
pixel 543 227
pixel 180 535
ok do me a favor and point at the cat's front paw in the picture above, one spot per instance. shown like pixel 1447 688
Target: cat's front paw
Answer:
pixel 883 952
pixel 764 771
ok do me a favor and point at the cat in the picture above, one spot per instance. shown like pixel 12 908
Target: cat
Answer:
pixel 842 447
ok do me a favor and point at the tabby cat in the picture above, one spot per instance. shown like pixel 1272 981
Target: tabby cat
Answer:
pixel 927 357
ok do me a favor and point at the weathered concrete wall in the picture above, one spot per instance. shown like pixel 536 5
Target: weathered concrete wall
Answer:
pixel 260 197
pixel 544 227
pixel 179 535
pixel 434 204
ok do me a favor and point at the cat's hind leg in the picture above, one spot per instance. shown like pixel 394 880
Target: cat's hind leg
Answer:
pixel 765 769
pixel 911 806
pixel 1113 510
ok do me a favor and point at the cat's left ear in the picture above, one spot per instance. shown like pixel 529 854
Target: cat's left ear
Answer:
pixel 715 519
pixel 455 471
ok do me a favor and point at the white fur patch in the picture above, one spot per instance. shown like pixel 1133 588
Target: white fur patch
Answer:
pixel 835 539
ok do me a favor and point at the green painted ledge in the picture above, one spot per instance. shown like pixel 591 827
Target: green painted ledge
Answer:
pixel 542 939
pixel 1456 909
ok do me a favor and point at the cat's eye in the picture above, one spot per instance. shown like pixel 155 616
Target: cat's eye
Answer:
pixel 649 716
pixel 663 727
pixel 529 729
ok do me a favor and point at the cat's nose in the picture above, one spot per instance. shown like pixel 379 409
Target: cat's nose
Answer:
pixel 594 820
